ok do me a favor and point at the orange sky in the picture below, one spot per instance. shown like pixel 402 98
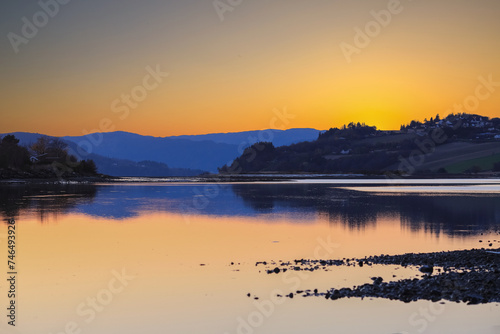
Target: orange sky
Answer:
pixel 229 75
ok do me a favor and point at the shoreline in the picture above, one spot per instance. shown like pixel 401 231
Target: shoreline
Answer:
pixel 228 178
pixel 468 276
pixel 52 180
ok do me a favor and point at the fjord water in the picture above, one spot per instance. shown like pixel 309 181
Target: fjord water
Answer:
pixel 169 257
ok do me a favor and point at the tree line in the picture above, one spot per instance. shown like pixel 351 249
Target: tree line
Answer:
pixel 41 155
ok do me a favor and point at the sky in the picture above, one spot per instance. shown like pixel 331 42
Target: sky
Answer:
pixel 163 68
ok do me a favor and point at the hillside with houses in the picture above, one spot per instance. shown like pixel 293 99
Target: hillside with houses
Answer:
pixel 455 144
pixel 467 126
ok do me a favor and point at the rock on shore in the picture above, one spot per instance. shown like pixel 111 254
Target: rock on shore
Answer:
pixel 469 276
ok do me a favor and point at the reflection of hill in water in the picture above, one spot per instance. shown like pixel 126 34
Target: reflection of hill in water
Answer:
pixel 43 199
pixel 449 214
pixel 336 203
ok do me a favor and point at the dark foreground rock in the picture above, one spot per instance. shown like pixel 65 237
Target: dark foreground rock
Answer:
pixel 469 276
pixel 474 259
pixel 469 287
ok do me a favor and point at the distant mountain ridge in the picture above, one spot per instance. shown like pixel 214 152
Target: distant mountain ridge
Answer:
pixel 128 154
pixel 206 152
pixel 277 137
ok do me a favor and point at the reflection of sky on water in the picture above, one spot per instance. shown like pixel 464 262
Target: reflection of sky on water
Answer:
pixel 450 213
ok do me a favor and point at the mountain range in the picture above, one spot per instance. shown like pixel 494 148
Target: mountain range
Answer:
pixel 129 154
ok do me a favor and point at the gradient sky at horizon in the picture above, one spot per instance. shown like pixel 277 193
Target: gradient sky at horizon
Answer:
pixel 227 76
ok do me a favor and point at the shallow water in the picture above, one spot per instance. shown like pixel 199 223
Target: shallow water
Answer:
pixel 185 255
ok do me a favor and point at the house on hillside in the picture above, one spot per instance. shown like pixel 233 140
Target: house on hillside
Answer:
pixel 43 158
pixel 35 158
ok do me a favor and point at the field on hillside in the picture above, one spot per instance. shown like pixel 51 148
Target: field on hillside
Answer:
pixel 485 163
pixel 459 156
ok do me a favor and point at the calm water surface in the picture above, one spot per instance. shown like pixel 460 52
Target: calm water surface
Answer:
pixel 180 257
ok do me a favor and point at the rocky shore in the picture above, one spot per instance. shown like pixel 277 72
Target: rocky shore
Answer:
pixel 469 287
pixel 469 276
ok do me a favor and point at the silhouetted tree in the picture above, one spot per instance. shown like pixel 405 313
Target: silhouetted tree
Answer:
pixel 58 148
pixel 87 167
pixel 11 154
pixel 10 140
pixel 41 146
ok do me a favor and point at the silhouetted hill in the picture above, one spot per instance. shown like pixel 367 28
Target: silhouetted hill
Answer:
pixel 47 158
pixel 456 144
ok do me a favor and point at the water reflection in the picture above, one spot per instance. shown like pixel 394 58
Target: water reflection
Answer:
pixel 44 200
pixel 446 213
pixel 450 214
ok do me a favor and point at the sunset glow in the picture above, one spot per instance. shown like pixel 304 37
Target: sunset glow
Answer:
pixel 229 75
